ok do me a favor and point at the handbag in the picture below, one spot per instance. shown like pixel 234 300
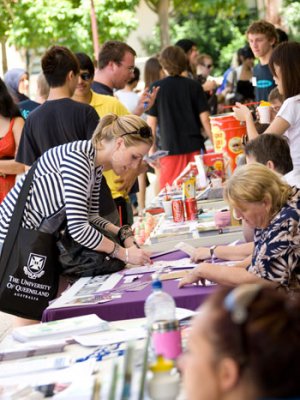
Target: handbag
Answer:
pixel 79 261
pixel 29 271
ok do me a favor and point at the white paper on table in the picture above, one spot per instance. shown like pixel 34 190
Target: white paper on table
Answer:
pixel 111 337
pixel 159 266
pixel 43 377
pixel 86 287
pixel 183 313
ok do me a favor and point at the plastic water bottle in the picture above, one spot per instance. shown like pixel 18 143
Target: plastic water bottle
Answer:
pixel 160 311
pixel 159 305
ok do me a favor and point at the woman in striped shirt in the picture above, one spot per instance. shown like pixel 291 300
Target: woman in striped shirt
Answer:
pixel 67 182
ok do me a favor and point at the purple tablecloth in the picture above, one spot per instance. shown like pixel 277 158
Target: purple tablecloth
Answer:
pixel 131 305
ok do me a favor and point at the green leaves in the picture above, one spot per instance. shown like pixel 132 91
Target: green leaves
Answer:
pixel 37 24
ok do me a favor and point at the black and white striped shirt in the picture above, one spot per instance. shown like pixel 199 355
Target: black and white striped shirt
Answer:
pixel 65 177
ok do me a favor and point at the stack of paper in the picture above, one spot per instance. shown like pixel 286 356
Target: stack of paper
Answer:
pixel 60 329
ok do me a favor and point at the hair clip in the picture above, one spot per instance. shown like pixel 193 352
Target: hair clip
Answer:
pixel 239 299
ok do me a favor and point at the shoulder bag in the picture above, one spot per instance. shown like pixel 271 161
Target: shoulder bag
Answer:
pixel 29 269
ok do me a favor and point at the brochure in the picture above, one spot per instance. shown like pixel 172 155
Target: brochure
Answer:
pixel 60 329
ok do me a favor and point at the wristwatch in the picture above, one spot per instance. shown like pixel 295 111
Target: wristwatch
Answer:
pixel 212 251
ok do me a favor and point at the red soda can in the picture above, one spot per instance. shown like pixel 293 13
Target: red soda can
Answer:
pixel 178 210
pixel 191 209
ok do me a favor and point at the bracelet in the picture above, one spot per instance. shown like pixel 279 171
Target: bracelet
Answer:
pixel 126 256
pixel 124 233
pixel 115 251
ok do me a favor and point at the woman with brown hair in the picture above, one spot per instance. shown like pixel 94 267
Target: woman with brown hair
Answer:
pixel 244 344
pixel 284 64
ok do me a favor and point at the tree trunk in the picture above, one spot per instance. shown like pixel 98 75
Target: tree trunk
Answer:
pixel 272 11
pixel 163 18
pixel 94 31
pixel 4 55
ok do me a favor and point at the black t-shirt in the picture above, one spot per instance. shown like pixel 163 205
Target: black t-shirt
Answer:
pixel 53 123
pixel 27 106
pixel 100 88
pixel 178 106
pixel 264 81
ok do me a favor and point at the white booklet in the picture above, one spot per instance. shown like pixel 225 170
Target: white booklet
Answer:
pixel 61 328
pixel 89 290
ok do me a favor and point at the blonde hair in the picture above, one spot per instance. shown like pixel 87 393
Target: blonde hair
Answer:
pixel 255 182
pixel 111 127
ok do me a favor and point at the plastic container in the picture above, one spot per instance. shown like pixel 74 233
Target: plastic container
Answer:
pixel 159 305
pixel 164 383
pixel 160 312
pixel 227 134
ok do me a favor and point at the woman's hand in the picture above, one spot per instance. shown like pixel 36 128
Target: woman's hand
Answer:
pixel 194 276
pixel 138 256
pixel 242 113
pixel 200 254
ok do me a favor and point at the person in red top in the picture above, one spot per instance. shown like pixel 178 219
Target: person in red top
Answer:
pixel 11 125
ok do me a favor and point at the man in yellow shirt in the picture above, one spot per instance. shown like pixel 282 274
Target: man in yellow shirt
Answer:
pixel 103 104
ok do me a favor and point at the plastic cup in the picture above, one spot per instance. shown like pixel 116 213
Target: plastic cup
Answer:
pixel 264 113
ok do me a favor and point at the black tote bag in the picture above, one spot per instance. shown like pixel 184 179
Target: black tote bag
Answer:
pixel 29 270
pixel 79 261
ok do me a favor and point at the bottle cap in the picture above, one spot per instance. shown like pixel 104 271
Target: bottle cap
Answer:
pixel 161 365
pixel 156 284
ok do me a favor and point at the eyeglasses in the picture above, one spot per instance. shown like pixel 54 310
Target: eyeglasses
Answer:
pixel 144 132
pixel 85 76
pixel 237 303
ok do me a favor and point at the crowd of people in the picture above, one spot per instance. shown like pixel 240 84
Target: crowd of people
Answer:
pixel 89 130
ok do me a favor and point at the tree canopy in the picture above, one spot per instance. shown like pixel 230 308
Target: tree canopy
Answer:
pixel 36 24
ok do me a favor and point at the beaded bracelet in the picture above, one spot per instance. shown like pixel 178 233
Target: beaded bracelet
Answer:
pixel 124 233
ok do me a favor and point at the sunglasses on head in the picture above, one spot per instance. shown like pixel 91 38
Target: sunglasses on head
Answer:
pixel 85 76
pixel 237 303
pixel 144 132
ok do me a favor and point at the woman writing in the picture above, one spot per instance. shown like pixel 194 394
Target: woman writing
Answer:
pixel 10 132
pixel 284 64
pixel 272 207
pixel 233 344
pixel 67 179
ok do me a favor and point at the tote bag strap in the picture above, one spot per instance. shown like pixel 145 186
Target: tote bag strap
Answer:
pixel 15 221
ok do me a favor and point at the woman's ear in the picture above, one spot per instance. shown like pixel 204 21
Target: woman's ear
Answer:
pixel 228 374
pixel 118 142
pixel 267 202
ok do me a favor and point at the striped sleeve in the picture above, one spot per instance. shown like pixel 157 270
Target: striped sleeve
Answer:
pixel 76 172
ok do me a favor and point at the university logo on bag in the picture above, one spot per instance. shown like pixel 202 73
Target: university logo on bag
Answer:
pixel 35 266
